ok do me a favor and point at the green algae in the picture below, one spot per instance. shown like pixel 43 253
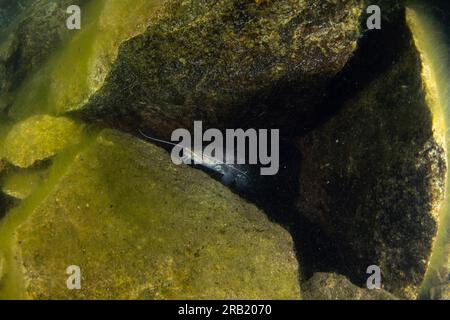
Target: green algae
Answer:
pixel 79 67
pixel 39 138
pixel 22 184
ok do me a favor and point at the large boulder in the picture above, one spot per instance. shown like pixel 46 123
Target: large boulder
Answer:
pixel 140 227
pixel 229 63
pixel 373 176
pixel 331 286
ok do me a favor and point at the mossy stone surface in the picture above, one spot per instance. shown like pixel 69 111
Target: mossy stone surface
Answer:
pixel 39 138
pixel 374 176
pixel 140 227
pixel 331 286
pixel 21 184
pixel 228 63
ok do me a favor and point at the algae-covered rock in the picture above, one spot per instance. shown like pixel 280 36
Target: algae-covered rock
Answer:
pixel 21 184
pixel 373 176
pixel 331 286
pixel 140 227
pixel 39 138
pixel 228 63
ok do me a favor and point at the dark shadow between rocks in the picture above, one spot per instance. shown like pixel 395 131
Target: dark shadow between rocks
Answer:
pixel 377 51
pixel 277 196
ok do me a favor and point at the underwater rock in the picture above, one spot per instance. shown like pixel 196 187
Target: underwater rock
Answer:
pixel 39 31
pixel 39 138
pixel 331 286
pixel 373 176
pixel 140 227
pixel 21 184
pixel 206 60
